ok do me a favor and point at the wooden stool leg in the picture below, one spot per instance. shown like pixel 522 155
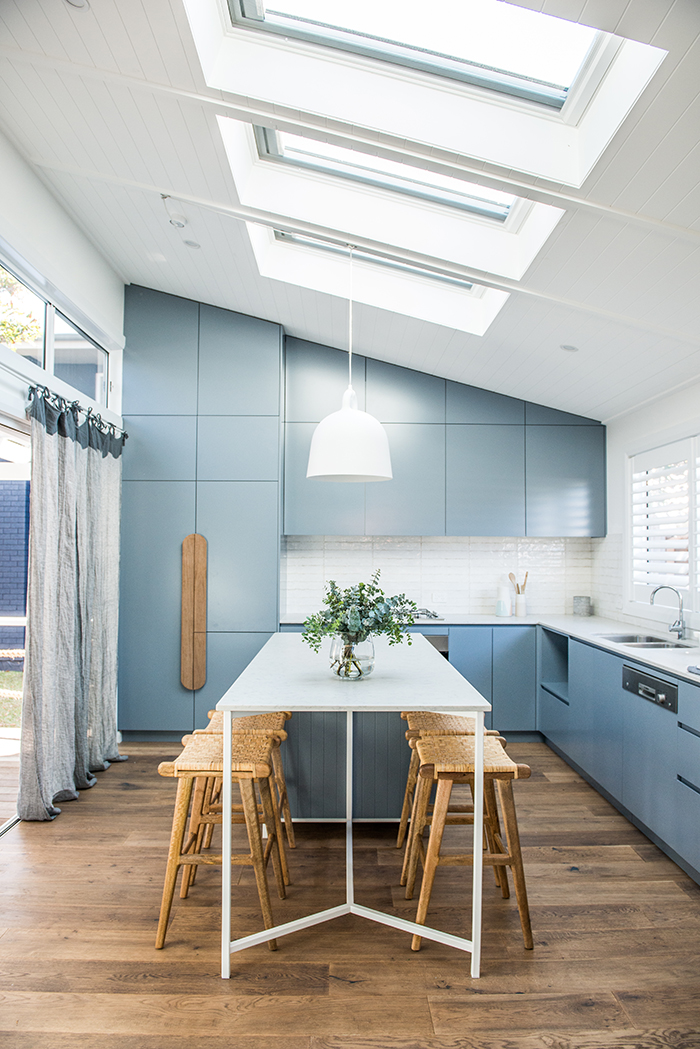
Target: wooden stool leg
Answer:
pixel 195 835
pixel 492 828
pixel 213 788
pixel 182 805
pixel 250 808
pixel 282 794
pixel 442 802
pixel 274 832
pixel 510 821
pixel 408 797
pixel 419 818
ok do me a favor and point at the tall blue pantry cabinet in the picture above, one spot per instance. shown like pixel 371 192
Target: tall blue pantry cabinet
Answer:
pixel 202 409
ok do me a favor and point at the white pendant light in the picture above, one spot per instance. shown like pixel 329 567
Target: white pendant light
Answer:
pixel 349 445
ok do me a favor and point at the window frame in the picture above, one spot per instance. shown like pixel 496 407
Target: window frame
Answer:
pixel 270 151
pixel 250 14
pixel 48 349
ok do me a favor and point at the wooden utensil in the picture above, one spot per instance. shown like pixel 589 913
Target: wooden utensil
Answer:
pixel 522 588
pixel 512 579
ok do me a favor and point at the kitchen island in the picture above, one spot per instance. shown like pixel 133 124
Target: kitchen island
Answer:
pixel 287 675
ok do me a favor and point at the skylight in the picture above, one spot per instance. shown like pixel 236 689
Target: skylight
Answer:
pixel 387 174
pixel 374 260
pixel 487 43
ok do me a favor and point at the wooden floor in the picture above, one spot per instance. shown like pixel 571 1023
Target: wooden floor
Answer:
pixel 616 924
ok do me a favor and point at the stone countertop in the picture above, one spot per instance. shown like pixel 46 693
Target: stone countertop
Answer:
pixel 583 628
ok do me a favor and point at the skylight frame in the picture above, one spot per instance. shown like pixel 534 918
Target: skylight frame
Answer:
pixel 309 244
pixel 269 149
pixel 250 14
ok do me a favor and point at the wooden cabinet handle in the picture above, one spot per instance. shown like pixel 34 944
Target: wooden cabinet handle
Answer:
pixel 193 637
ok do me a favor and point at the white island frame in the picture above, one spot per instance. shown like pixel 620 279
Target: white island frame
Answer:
pixel 287 675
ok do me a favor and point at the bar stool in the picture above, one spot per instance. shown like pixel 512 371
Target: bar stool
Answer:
pixel 446 760
pixel 273 722
pixel 427 723
pixel 202 757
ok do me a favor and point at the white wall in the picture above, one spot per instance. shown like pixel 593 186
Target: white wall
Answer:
pixel 668 419
pixel 34 225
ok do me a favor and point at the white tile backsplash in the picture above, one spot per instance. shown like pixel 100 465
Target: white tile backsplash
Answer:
pixel 449 574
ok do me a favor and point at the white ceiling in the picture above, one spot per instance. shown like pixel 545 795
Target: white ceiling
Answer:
pixel 111 108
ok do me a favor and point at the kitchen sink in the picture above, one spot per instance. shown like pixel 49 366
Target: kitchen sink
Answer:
pixel 644 641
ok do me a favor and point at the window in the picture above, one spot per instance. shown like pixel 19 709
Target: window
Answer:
pixel 284 147
pixel 484 42
pixel 374 260
pixel 34 329
pixel 662 498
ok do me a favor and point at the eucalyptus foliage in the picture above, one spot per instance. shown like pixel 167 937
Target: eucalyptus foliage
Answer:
pixel 359 611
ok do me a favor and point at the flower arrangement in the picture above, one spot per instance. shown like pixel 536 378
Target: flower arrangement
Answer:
pixel 359 611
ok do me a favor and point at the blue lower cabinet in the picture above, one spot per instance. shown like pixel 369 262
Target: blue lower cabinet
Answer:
pixel 156 517
pixel 649 775
pixel 314 765
pixel 554 717
pixel 595 717
pixel 228 654
pixel 381 760
pixel 471 652
pixel 514 679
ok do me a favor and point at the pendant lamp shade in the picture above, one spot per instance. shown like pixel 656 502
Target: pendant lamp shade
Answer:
pixel 349 445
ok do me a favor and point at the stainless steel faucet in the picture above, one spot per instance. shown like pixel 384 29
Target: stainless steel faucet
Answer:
pixel 679 625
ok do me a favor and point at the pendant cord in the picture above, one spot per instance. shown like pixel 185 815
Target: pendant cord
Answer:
pixel 350 321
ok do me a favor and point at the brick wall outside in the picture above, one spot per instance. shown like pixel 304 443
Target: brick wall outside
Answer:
pixel 14 540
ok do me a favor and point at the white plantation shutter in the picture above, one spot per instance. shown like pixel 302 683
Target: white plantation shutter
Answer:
pixel 662 523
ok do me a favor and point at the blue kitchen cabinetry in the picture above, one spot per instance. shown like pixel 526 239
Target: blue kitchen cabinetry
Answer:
pixel 596 712
pixel 202 407
pixel 686 788
pixel 466 461
pixel 500 663
pixel 564 489
pixel 553 714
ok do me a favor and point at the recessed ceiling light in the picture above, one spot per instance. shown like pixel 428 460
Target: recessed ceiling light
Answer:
pixel 192 244
pixel 570 349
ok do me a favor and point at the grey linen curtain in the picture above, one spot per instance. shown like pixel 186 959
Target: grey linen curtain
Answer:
pixel 69 728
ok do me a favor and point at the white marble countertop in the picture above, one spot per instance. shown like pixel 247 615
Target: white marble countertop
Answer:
pixel 288 675
pixel 585 628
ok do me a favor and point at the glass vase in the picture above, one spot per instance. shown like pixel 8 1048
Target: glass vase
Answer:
pixel 352 660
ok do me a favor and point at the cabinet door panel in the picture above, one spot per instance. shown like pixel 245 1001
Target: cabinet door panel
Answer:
pixel 238 448
pixel 313 507
pixel 239 364
pixel 239 521
pixel 317 378
pixel 469 404
pixel 228 654
pixel 649 766
pixel 413 503
pixel 595 695
pixel 156 517
pixel 471 652
pixel 160 353
pixel 400 395
pixel 485 480
pixel 553 718
pixel 565 480
pixel 160 448
pixel 514 678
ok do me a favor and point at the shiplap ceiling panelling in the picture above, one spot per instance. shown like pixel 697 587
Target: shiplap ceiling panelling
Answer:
pixel 615 278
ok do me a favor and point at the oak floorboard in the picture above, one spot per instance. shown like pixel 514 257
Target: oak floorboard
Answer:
pixel 616 927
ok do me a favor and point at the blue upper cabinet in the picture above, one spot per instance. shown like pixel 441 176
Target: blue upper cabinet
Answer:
pixel 160 355
pixel 466 461
pixel 485 480
pixel 565 480
pixel 469 404
pixel 399 395
pixel 238 448
pixel 161 448
pixel 239 364
pixel 413 503
pixel 316 379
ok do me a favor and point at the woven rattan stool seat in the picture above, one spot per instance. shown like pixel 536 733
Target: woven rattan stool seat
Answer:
pixel 202 762
pixel 444 761
pixel 273 721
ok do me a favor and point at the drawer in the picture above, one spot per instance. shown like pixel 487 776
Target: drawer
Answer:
pixel 687 824
pixel 688 755
pixel 689 704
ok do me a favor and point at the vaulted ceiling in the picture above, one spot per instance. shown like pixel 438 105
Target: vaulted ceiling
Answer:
pixel 111 107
